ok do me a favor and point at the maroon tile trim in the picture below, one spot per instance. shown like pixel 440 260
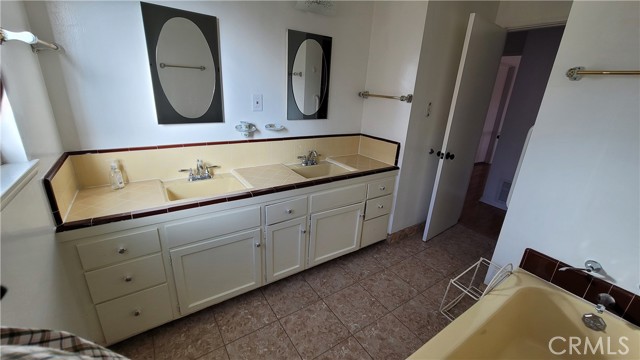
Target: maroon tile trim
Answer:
pixel 144 213
pixel 56 166
pixel 82 152
pixel 582 284
pixel 48 188
pixel 195 144
pixel 140 148
pixel 113 150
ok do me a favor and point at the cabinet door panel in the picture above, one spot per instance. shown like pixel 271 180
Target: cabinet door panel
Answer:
pixel 286 248
pixel 335 233
pixel 214 270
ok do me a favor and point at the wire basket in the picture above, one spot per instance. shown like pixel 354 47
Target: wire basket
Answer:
pixel 472 283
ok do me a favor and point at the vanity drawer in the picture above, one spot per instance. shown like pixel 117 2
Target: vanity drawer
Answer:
pixel 135 313
pixel 208 226
pixel 334 199
pixel 125 278
pixel 374 230
pixel 380 187
pixel 114 249
pixel 286 210
pixel 378 207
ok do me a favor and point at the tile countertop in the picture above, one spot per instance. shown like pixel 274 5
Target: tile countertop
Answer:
pixel 99 205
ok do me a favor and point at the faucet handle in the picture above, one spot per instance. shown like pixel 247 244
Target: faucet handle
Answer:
pixel 604 300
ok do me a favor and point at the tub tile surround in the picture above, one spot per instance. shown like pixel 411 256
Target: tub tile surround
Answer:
pixel 582 284
pixel 78 184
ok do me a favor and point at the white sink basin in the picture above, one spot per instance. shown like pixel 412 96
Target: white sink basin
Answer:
pixel 322 169
pixel 220 184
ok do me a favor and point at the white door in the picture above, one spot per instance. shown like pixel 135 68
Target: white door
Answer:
pixel 286 248
pixel 483 46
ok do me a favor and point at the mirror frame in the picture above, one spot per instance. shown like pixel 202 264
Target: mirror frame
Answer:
pixel 294 40
pixel 154 17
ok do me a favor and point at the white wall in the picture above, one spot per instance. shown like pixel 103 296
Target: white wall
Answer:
pixel 536 62
pixel 100 86
pixel 444 32
pixel 577 194
pixel 525 14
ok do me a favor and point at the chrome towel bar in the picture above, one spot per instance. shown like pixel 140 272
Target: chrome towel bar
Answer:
pixel 576 73
pixel 407 98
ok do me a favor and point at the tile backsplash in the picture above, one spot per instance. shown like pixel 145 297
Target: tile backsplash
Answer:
pixel 582 284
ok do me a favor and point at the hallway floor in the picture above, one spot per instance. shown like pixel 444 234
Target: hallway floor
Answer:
pixel 380 302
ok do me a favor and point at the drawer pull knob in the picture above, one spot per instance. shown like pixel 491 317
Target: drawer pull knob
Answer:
pixel 380 206
pixel 122 250
pixel 382 188
pixel 137 312
pixel 128 278
pixel 289 211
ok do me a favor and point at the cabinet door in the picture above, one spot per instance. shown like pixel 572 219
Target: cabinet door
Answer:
pixel 214 270
pixel 286 248
pixel 335 233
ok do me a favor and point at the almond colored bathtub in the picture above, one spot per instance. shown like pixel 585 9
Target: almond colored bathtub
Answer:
pixel 527 318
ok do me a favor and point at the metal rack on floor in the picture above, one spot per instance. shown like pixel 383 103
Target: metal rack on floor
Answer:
pixel 471 282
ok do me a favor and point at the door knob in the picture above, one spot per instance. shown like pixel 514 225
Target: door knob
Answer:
pixel 431 151
pixel 449 156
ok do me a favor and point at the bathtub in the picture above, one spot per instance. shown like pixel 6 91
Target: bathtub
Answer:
pixel 527 318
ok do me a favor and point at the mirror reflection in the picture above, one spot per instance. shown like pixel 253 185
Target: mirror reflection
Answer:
pixel 309 58
pixel 185 67
pixel 185 64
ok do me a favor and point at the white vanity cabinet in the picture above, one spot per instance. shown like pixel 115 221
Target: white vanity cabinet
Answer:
pixel 286 238
pixel 127 281
pixel 335 222
pixel 215 257
pixel 378 207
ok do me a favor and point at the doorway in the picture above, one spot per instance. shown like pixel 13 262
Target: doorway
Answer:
pixel 512 113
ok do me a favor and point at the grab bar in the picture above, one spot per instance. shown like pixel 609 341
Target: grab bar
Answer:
pixel 407 98
pixel 575 73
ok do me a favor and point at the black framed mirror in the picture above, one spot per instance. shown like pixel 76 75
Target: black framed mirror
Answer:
pixel 308 70
pixel 184 61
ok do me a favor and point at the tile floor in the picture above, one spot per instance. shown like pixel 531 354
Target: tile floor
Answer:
pixel 380 302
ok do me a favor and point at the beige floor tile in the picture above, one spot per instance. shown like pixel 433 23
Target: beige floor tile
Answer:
pixel 314 330
pixel 217 354
pixel 440 259
pixel 388 339
pixel 355 307
pixel 360 264
pixel 242 315
pixel 389 289
pixel 328 278
pixel 388 254
pixel 349 349
pixel 270 342
pixel 289 295
pixel 187 338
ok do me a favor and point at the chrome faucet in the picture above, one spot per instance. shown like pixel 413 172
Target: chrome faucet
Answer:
pixel 201 172
pixel 311 159
pixel 604 300
pixel 589 266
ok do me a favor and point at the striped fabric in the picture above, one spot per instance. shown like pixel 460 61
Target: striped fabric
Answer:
pixel 19 343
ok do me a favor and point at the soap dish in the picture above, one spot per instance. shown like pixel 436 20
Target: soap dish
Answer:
pixel 246 128
pixel 274 127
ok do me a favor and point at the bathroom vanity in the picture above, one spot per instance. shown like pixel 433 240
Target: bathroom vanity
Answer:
pixel 139 270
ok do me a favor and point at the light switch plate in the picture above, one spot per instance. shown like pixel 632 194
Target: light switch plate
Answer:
pixel 257 102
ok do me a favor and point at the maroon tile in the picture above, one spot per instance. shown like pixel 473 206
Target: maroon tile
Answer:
pixel 195 144
pixel 56 166
pixel 183 207
pixel 57 218
pixel 539 264
pixel 48 189
pixel 104 151
pixel 73 225
pixel 574 281
pixel 241 196
pixel 141 148
pixel 596 287
pixel 110 218
pixel 623 299
pixel 170 146
pixel 145 213
pixel 284 188
pixel 305 184
pixel 322 181
pixel 260 192
pixel 217 142
pixel 632 314
pixel 213 201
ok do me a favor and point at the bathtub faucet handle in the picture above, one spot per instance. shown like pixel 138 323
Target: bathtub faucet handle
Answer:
pixel 604 300
pixel 589 266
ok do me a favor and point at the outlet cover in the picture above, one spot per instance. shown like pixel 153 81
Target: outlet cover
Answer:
pixel 257 102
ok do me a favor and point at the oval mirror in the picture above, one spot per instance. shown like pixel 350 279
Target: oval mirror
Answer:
pixel 185 67
pixel 307 77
